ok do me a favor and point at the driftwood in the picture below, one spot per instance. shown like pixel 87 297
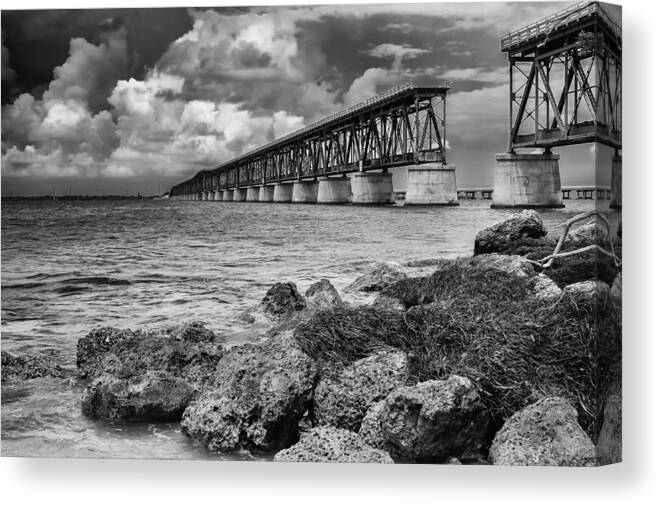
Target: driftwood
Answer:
pixel 547 261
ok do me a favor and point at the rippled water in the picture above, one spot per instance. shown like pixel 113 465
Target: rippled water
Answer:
pixel 70 266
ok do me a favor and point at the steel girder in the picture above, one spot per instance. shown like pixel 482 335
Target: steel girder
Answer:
pixel 401 127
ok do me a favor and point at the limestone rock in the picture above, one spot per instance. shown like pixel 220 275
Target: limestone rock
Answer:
pixel 342 398
pixel 545 433
pixel 378 277
pixel 370 427
pixel 545 288
pixel 145 375
pixel 30 366
pixel 434 420
pixel 153 396
pixel 322 295
pixel 609 445
pixel 510 264
pixel 282 299
pixel 330 444
pixel 593 291
pixel 501 236
pixel 616 289
pixel 592 232
pixel 256 399
pixel 389 303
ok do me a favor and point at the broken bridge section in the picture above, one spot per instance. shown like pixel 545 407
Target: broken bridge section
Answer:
pixel 565 88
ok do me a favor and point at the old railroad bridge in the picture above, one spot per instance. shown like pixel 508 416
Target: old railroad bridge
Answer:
pixel 565 76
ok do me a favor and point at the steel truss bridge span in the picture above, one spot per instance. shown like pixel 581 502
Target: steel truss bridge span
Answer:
pixel 403 126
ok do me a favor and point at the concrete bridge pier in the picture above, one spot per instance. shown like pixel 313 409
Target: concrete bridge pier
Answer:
pixel 304 192
pixel 334 190
pixel 283 192
pixel 266 193
pixel 210 195
pixel 527 181
pixel 228 196
pixel 240 194
pixel 218 195
pixel 616 181
pixel 431 184
pixel 372 188
pixel 252 194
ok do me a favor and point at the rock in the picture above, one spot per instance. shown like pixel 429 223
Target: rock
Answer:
pixel 330 444
pixel 153 396
pixel 616 289
pixel 593 291
pixel 545 433
pixel 592 232
pixel 545 288
pixel 434 420
pixel 454 461
pixel 26 367
pixel 281 300
pixel 256 399
pixel 342 398
pixel 322 295
pixel 503 235
pixel 378 277
pixel 509 264
pixel 370 427
pixel 145 375
pixel 609 445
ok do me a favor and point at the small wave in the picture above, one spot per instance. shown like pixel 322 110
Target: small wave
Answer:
pixel 98 280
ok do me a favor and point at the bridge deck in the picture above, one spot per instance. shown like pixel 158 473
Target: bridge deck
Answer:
pixel 396 128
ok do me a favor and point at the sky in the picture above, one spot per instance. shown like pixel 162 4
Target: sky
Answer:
pixel 134 100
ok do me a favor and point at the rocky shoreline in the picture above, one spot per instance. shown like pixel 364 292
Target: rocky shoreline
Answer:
pixel 509 357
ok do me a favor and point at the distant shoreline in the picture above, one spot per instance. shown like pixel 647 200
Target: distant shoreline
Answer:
pixel 81 197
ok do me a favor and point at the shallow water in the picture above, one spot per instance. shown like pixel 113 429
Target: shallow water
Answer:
pixel 70 266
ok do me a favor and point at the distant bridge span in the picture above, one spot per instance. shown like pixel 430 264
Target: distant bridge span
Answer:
pixel 402 127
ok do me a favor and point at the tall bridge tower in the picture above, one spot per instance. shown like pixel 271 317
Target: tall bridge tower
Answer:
pixel 565 88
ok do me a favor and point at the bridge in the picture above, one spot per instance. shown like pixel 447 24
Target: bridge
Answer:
pixel 565 75
pixel 404 127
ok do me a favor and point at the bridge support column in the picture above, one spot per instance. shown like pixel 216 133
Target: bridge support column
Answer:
pixel 252 194
pixel 201 195
pixel 210 195
pixel 239 194
pixel 431 184
pixel 218 195
pixel 372 188
pixel 334 190
pixel 228 196
pixel 616 181
pixel 282 192
pixel 527 180
pixel 266 193
pixel 304 192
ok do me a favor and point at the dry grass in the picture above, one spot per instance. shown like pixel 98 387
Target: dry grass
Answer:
pixel 484 325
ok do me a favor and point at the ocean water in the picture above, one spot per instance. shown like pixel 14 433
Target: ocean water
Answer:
pixel 70 266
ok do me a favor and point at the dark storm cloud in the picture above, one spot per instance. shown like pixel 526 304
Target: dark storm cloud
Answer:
pixel 38 41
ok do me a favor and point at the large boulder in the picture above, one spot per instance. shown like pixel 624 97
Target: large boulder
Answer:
pixel 609 445
pixel 504 235
pixel 281 300
pixel 153 396
pixel 513 265
pixel 370 427
pixel 433 420
pixel 616 289
pixel 545 433
pixel 30 366
pixel 342 397
pixel 593 291
pixel 322 295
pixel 256 399
pixel 545 288
pixel 330 444
pixel 145 375
pixel 593 232
pixel 378 277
